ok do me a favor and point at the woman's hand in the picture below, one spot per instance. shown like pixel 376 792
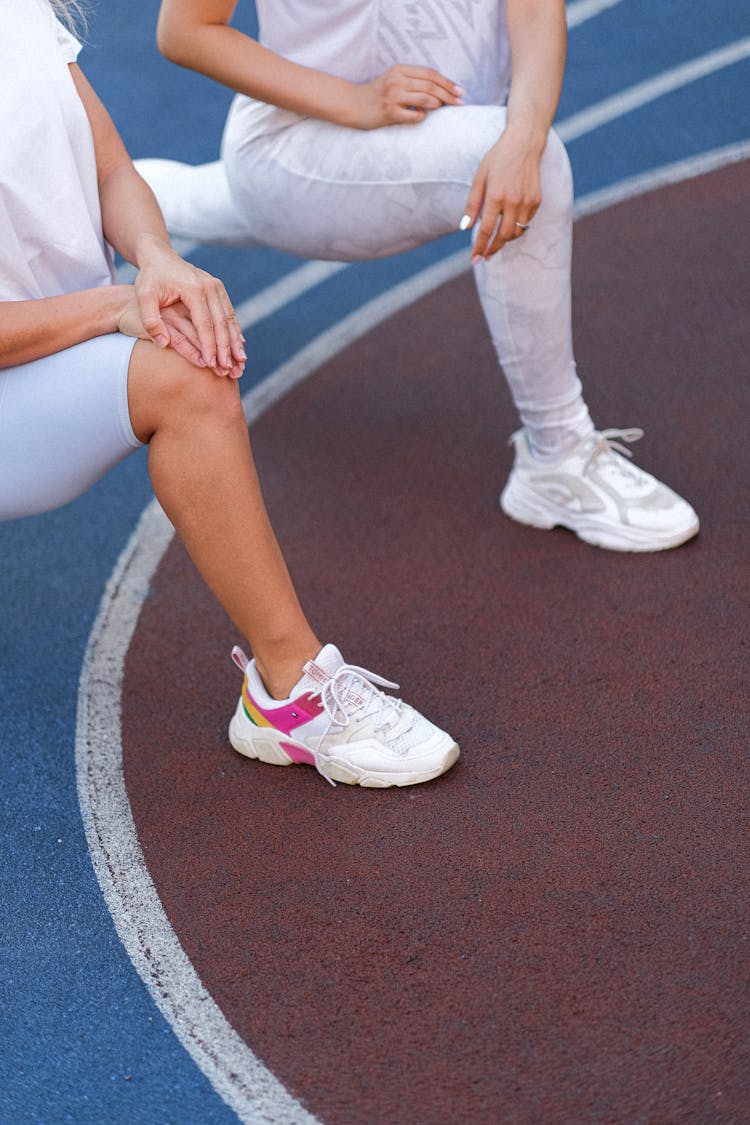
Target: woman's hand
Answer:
pixel 403 95
pixel 506 192
pixel 180 330
pixel 185 307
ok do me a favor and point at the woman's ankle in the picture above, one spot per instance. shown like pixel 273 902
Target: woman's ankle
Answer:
pixel 280 672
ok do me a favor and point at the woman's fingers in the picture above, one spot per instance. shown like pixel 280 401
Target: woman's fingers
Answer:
pixel 404 94
pixel 177 321
pixel 403 82
pixel 229 343
pixel 150 310
pixel 503 199
pixel 168 280
pixel 181 328
pixel 196 302
pixel 183 347
pixel 424 79
pixel 475 200
pixel 483 214
pixel 430 94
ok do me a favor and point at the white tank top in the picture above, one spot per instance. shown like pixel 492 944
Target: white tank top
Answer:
pixel 466 40
pixel 51 239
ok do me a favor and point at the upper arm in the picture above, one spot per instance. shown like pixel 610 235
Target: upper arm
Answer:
pixel 111 153
pixel 519 12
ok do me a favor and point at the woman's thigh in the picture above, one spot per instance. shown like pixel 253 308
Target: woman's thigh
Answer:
pixel 64 422
pixel 321 191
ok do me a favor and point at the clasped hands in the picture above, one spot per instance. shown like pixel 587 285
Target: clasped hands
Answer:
pixel 177 305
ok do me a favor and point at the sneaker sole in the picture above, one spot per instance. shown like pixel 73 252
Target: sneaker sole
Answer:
pixel 267 748
pixel 525 506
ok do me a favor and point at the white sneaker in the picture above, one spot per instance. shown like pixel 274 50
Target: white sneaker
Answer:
pixel 337 720
pixel 595 492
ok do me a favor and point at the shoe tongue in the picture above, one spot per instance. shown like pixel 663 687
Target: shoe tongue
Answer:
pixel 317 671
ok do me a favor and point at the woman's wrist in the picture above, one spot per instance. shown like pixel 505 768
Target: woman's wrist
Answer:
pixel 115 299
pixel 527 131
pixel 352 106
pixel 150 246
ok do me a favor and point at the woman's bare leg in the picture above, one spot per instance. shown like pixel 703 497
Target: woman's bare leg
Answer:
pixel 204 476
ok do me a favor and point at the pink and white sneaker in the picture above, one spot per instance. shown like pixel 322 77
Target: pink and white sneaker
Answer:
pixel 338 720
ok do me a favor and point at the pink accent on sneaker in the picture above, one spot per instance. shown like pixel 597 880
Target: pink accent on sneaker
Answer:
pixel 298 753
pixel 291 715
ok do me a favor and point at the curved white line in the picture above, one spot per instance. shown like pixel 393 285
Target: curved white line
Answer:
pixel 675 173
pixel 246 1085
pixel 236 1074
pixel 346 331
pixel 288 288
pixel 581 10
pixel 644 92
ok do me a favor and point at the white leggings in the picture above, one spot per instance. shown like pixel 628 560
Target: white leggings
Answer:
pixel 64 421
pixel 322 191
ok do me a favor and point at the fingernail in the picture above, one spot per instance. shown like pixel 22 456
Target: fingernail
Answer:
pixel 465 223
pixel 161 341
pixel 460 101
pixel 476 259
pixel 243 355
pixel 458 89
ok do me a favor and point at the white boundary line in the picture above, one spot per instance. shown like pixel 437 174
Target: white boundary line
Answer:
pixel 288 288
pixel 346 331
pixel 244 1083
pixel 237 1075
pixel 644 92
pixel 579 11
pixel 686 169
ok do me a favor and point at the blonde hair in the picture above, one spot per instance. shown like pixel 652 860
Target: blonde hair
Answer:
pixel 72 13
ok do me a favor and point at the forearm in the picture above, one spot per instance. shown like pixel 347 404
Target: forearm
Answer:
pixel 237 61
pixel 33 329
pixel 538 39
pixel 132 221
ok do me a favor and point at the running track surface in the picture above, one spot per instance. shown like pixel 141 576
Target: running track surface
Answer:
pixel 558 929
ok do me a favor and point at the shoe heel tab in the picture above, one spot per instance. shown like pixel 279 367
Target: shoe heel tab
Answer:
pixel 240 659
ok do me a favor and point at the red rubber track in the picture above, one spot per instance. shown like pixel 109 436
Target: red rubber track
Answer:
pixel 559 929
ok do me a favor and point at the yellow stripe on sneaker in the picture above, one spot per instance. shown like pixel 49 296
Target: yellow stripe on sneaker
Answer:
pixel 252 711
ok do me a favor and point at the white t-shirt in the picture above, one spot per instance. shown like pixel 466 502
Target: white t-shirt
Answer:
pixel 466 40
pixel 51 239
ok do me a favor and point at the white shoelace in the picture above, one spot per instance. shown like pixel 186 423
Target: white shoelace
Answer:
pixel 357 688
pixel 607 442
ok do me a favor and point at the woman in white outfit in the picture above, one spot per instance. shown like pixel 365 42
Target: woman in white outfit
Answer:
pixel 90 370
pixel 363 128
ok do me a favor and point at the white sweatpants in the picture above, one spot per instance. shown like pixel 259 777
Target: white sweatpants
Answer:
pixel 318 190
pixel 64 421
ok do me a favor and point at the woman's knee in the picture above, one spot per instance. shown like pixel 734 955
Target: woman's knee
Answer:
pixel 557 179
pixel 165 389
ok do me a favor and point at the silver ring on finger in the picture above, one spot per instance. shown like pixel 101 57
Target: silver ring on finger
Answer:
pixel 524 226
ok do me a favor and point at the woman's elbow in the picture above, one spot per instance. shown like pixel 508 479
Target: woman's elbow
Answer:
pixel 164 42
pixel 171 40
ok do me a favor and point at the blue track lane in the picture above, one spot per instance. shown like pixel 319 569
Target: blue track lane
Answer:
pixel 81 1040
